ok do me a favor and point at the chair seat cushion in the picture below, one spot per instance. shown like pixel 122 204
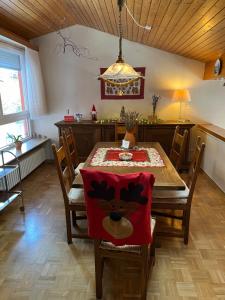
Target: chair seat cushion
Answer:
pixel 76 195
pixel 166 194
pixel 80 166
pixel 126 248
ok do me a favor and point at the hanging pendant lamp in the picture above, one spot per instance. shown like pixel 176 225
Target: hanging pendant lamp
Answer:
pixel 120 73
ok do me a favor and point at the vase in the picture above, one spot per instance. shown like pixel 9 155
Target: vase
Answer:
pixel 153 119
pixel 18 145
pixel 130 137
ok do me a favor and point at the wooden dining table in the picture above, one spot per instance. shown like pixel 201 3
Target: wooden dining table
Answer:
pixel 166 176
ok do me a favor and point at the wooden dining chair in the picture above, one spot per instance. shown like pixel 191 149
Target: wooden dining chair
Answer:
pixel 179 200
pixel 119 221
pixel 69 143
pixel 177 151
pixel 73 197
pixel 120 131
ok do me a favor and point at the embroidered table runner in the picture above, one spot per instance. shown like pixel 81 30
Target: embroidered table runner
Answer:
pixel 143 157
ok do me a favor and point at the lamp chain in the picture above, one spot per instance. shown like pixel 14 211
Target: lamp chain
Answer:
pixel 115 80
pixel 120 57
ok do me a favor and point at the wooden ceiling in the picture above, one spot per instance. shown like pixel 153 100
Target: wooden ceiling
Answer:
pixel 192 28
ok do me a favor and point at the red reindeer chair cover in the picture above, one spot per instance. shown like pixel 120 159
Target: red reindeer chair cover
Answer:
pixel 119 206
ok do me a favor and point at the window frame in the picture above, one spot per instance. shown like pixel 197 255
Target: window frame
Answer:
pixel 24 115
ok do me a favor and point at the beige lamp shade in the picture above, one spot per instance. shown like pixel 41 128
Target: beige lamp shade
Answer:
pixel 181 96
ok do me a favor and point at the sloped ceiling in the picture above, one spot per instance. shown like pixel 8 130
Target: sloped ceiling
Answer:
pixel 192 28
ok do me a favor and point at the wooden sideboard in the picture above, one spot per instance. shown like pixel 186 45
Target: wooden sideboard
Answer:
pixel 88 133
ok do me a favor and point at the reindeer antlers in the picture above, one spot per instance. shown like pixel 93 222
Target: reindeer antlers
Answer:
pixel 101 191
pixel 133 193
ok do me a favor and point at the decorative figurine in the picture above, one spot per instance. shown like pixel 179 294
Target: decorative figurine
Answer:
pixel 93 113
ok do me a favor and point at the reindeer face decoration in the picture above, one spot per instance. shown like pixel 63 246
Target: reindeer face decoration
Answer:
pixel 116 222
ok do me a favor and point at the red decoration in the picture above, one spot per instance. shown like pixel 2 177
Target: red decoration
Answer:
pixel 93 113
pixel 68 118
pixel 132 91
pixel 138 155
pixel 118 206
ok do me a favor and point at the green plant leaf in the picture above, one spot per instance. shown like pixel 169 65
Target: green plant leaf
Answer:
pixel 14 138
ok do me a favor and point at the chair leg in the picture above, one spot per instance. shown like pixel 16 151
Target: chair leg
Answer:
pixel 99 265
pixel 183 219
pixel 144 275
pixel 74 218
pixel 68 227
pixel 186 226
pixel 152 249
pixel 144 282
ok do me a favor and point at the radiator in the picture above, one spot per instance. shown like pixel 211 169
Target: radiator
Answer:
pixel 27 164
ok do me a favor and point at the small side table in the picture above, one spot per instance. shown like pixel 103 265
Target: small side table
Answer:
pixel 7 195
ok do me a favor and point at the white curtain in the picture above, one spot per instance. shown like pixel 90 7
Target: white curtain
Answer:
pixel 35 85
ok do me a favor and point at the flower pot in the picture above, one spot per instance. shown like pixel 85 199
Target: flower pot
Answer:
pixel 130 137
pixel 18 145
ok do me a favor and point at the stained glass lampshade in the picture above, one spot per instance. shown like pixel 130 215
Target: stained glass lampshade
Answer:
pixel 120 71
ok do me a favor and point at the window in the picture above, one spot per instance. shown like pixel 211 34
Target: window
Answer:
pixel 14 115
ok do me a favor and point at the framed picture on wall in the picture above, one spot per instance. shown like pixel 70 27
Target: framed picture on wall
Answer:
pixel 135 90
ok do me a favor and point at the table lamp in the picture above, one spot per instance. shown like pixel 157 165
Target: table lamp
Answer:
pixel 181 96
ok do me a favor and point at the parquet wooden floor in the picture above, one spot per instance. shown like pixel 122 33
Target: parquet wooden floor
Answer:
pixel 36 262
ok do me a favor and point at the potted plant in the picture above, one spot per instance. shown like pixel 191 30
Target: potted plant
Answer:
pixel 131 120
pixel 16 139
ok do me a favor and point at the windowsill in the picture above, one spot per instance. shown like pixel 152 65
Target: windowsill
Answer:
pixel 27 146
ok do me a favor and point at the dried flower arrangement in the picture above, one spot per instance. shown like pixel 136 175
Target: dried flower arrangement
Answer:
pixel 155 99
pixel 131 120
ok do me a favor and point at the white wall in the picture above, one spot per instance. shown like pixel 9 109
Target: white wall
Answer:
pixel 71 81
pixel 209 107
pixel 209 102
pixel 213 160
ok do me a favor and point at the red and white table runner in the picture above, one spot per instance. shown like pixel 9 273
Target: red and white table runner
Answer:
pixel 143 157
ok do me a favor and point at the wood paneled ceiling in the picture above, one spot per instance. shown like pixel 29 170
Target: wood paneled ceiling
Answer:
pixel 192 28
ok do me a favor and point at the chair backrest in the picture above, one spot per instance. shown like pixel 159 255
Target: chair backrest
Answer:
pixel 120 131
pixel 118 206
pixel 69 143
pixel 178 147
pixel 195 166
pixel 63 171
